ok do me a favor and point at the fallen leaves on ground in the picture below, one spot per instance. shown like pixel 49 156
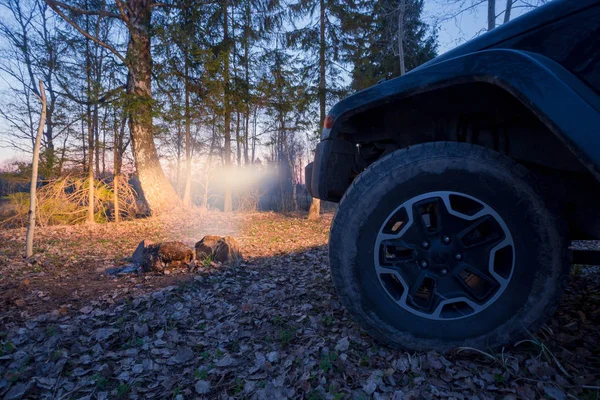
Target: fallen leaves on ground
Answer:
pixel 271 328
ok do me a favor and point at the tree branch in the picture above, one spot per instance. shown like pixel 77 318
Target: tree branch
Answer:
pixel 124 16
pixel 78 10
pixel 202 3
pixel 56 8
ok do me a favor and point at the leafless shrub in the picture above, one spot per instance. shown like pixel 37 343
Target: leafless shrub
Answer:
pixel 64 201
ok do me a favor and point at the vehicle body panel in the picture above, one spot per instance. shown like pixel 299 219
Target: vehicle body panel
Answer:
pixel 548 59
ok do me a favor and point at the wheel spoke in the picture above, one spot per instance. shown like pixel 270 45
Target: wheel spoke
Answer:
pixel 395 251
pixel 449 287
pixel 423 293
pixel 484 231
pixel 478 283
pixel 427 216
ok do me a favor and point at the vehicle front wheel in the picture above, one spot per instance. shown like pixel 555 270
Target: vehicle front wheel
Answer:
pixel 447 244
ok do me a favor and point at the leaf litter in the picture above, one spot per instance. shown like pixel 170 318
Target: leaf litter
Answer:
pixel 271 328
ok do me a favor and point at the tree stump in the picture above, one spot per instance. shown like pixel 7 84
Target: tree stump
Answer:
pixel 205 248
pixel 223 250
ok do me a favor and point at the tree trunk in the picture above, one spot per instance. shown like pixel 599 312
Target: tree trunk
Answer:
pixel 315 209
pixel 247 78
pixel 208 166
pixel 227 203
pixel 315 205
pixel 90 168
pixel 187 195
pixel 491 14
pixel 254 123
pixel 401 14
pixel 156 189
pixel 116 169
pixel 290 161
pixel 322 74
pixel 91 97
pixel 83 145
pixel 50 151
pixel 104 142
pixel 34 175
pixel 96 126
pixel 509 4
pixel 237 139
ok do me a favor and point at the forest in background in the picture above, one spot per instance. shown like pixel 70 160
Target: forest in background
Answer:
pixel 211 103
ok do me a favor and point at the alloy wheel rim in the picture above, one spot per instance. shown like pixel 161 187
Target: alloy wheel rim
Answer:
pixel 444 255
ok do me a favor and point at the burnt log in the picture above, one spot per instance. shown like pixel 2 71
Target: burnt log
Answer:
pixel 161 256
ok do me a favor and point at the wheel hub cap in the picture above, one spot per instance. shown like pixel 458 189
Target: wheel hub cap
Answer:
pixel 444 255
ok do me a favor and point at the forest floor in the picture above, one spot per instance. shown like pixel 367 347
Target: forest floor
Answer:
pixel 272 328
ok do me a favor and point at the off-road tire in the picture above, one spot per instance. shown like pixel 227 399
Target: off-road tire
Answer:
pixel 541 261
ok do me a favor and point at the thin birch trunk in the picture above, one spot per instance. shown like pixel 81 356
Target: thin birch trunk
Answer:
pixel 34 175
pixel 116 168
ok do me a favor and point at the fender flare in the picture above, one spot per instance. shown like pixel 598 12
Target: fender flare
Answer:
pixel 567 106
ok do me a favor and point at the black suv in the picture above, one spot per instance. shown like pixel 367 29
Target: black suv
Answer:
pixel 462 183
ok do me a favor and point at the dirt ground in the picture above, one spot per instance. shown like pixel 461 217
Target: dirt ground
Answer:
pixel 271 328
pixel 69 263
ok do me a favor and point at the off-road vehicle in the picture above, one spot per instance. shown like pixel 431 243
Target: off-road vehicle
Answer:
pixel 462 183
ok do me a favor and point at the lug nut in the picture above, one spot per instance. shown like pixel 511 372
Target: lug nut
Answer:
pixel 444 271
pixel 425 244
pixel 424 264
pixel 446 239
pixel 458 256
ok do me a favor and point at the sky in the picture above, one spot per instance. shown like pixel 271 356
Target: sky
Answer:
pixel 451 33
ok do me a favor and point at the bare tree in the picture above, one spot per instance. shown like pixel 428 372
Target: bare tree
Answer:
pixel 34 174
pixel 30 48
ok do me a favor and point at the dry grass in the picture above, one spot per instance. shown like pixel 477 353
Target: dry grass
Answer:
pixel 64 201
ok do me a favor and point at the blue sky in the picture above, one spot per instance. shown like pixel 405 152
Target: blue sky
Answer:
pixel 451 33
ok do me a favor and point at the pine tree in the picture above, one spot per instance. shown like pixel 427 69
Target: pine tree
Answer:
pixel 375 47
